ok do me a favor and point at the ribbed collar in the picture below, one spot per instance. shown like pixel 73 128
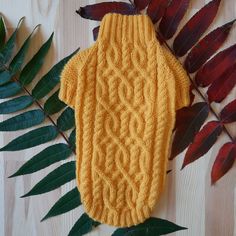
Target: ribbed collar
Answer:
pixel 123 28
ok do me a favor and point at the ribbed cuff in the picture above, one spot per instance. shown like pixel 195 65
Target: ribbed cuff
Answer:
pixel 183 98
pixel 184 85
pixel 118 27
pixel 67 94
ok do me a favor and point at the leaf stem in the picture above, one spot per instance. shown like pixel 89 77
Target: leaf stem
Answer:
pixel 48 116
pixel 202 96
pixel 39 105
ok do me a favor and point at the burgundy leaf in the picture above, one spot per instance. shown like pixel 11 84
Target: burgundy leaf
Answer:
pixel 228 114
pixel 156 9
pixel 224 161
pixel 195 28
pixel 97 11
pixel 192 95
pixel 160 38
pixel 214 68
pixel 207 47
pixel 188 122
pixel 221 87
pixel 95 32
pixel 172 17
pixel 141 4
pixel 203 142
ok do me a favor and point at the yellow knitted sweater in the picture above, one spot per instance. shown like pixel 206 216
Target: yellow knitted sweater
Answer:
pixel 125 90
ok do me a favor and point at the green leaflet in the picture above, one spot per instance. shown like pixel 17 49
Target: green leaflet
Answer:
pixel 83 225
pixel 72 139
pixel 66 203
pixel 16 63
pixel 5 76
pixel 2 32
pixel 54 179
pixel 7 50
pixel 51 79
pixel 66 120
pixel 15 104
pixel 32 138
pixel 18 60
pixel 33 66
pixel 151 227
pixel 23 121
pixel 9 89
pixel 53 104
pixel 45 158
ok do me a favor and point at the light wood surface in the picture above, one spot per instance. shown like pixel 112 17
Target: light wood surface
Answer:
pixel 189 199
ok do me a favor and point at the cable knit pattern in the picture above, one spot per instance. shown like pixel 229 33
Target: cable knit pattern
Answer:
pixel 125 90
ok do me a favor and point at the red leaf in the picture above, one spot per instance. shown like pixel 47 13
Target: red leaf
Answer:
pixel 172 17
pixel 192 96
pixel 188 122
pixel 195 28
pixel 97 11
pixel 224 161
pixel 160 38
pixel 214 68
pixel 95 32
pixel 156 9
pixel 141 4
pixel 228 114
pixel 203 142
pixel 221 87
pixel 207 47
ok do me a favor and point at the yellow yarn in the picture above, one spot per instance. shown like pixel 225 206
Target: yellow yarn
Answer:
pixel 125 90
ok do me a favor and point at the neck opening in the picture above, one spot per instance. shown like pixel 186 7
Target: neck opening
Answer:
pixel 123 28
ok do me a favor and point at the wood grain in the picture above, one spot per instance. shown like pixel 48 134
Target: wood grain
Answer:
pixel 188 200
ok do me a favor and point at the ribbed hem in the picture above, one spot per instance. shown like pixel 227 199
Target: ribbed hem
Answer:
pixel 118 27
pixel 126 218
pixel 67 95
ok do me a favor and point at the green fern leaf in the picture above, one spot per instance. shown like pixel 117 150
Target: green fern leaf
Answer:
pixel 2 32
pixel 18 60
pixel 61 175
pixel 151 227
pixel 83 226
pixel 66 120
pixel 16 104
pixel 32 138
pixel 5 76
pixel 9 89
pixel 7 50
pixel 72 139
pixel 23 120
pixel 45 158
pixel 66 203
pixel 54 104
pixel 34 65
pixel 51 79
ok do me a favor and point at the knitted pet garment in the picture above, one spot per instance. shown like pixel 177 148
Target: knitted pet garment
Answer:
pixel 125 90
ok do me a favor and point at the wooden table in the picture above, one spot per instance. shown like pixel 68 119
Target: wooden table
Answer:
pixel 189 199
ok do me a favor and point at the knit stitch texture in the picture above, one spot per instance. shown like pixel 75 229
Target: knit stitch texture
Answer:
pixel 125 90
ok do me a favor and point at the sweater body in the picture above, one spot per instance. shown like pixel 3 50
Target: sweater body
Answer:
pixel 125 104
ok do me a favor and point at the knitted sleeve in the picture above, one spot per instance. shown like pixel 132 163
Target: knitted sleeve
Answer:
pixel 182 81
pixel 69 77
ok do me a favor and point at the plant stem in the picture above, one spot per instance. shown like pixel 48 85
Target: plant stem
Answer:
pixel 48 116
pixel 202 96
